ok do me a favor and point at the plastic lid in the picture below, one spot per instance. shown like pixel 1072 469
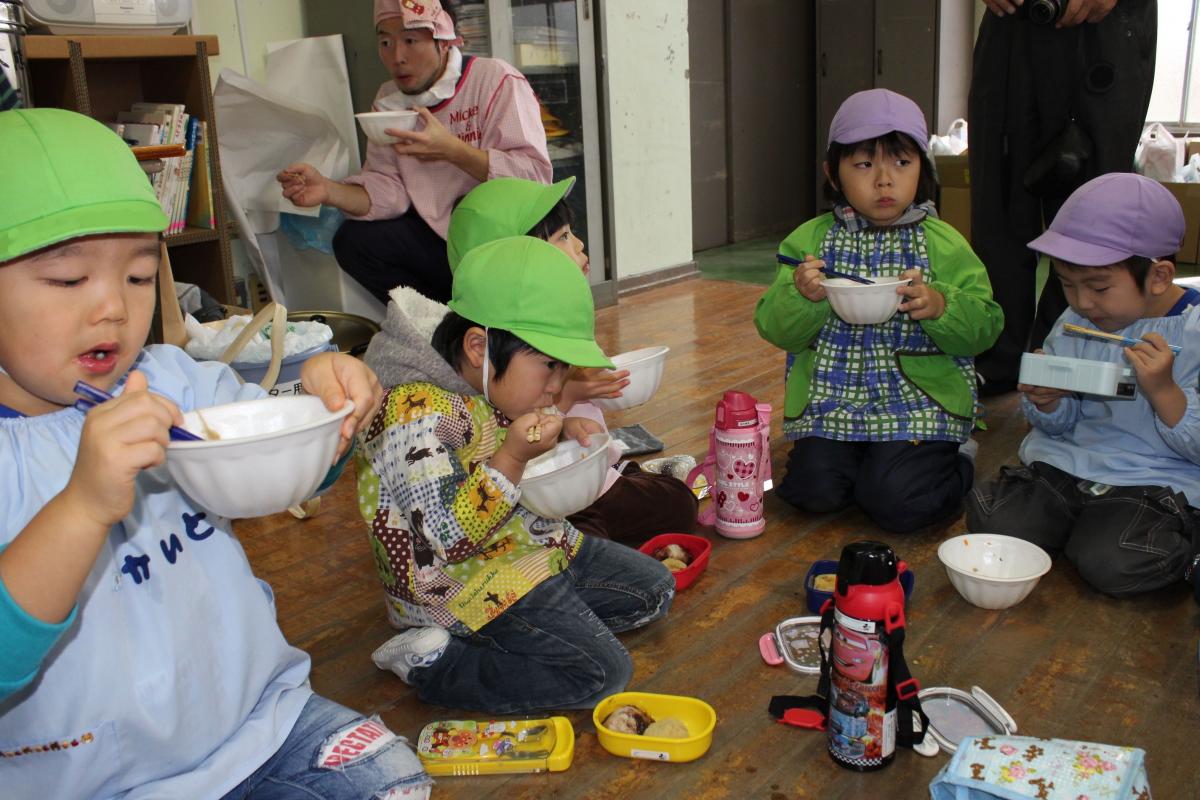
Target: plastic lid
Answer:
pixel 869 562
pixel 797 639
pixel 955 714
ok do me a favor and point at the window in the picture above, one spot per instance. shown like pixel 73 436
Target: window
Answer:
pixel 1176 96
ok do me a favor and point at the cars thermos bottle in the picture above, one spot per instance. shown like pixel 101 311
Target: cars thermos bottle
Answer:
pixel 737 466
pixel 868 612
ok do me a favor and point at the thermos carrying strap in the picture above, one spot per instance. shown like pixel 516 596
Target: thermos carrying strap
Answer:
pixel 901 685
pixel 707 514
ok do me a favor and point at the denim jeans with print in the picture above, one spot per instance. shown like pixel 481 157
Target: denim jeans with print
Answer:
pixel 555 648
pixel 334 753
pixel 1124 540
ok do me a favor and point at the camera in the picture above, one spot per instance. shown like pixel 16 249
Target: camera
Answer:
pixel 1043 12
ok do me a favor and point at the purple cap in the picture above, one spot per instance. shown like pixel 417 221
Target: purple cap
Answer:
pixel 874 113
pixel 1111 218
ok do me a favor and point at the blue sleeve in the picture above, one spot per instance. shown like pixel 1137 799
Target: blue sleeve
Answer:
pixel 1057 422
pixel 24 642
pixel 1184 438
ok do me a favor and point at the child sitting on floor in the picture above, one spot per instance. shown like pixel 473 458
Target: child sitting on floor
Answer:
pixel 509 612
pixel 1112 482
pixel 635 505
pixel 139 656
pixel 879 413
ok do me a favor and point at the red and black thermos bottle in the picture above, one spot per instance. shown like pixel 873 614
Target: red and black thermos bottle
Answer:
pixel 868 622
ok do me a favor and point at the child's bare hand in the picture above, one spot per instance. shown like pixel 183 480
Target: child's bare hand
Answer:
pixel 580 429
pixel 807 277
pixel 589 383
pixel 530 435
pixel 1152 361
pixel 336 378
pixel 923 301
pixel 121 437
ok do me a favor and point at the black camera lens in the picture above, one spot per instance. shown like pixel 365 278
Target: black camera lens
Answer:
pixel 1046 12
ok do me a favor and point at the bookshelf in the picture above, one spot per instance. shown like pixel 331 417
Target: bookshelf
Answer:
pixel 103 75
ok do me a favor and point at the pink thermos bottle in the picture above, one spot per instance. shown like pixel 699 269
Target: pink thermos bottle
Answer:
pixel 737 466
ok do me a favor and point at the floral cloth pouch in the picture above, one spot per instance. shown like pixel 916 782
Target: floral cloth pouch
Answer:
pixel 1018 767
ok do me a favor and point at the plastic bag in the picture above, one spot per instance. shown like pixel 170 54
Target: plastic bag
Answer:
pixel 953 143
pixel 1191 170
pixel 1159 154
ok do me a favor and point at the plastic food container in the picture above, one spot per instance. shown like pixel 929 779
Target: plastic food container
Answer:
pixel 1082 375
pixel 645 374
pixel 374 123
pixel 698 548
pixel 567 479
pixel 954 715
pixel 864 303
pixel 470 747
pixel 795 642
pixel 697 715
pixel 992 571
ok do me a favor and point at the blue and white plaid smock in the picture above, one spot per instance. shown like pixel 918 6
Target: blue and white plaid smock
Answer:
pixel 858 392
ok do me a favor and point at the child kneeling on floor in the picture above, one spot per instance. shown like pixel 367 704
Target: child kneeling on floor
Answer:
pixel 509 612
pixel 881 414
pixel 1111 482
pixel 634 505
pixel 139 655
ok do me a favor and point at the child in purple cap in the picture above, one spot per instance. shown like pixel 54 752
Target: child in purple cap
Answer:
pixel 881 414
pixel 1112 481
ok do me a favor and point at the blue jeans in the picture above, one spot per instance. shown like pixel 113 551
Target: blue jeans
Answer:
pixel 334 753
pixel 554 648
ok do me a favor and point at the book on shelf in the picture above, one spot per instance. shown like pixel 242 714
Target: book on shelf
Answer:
pixel 200 212
pixel 178 182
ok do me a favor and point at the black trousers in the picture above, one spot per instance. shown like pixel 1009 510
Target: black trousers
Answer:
pixel 386 253
pixel 1027 82
pixel 901 486
pixel 1124 540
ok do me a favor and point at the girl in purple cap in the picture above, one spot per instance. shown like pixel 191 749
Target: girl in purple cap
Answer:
pixel 1112 482
pixel 881 414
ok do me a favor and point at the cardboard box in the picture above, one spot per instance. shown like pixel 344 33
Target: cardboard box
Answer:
pixel 1191 147
pixel 954 200
pixel 1188 195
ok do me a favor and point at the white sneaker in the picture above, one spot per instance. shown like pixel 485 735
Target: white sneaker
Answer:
pixel 416 647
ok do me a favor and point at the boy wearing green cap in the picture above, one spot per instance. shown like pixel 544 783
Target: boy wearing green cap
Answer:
pixel 509 612
pixel 634 506
pixel 139 656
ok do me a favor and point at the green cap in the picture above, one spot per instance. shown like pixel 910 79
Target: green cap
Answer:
pixel 497 209
pixel 532 289
pixel 64 175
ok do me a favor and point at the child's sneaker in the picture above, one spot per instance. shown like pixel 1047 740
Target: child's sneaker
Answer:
pixel 416 647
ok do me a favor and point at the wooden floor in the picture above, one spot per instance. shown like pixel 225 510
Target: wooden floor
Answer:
pixel 1066 662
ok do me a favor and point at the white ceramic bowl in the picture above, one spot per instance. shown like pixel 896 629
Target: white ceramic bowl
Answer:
pixel 374 123
pixel 992 571
pixel 567 479
pixel 864 303
pixel 273 453
pixel 645 373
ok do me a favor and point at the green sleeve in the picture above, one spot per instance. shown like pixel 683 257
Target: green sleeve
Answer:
pixel 972 319
pixel 783 316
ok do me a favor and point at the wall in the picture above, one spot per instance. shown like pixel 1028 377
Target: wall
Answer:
pixel 262 21
pixel 649 130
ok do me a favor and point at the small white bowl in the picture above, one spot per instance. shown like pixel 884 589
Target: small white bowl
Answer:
pixel 374 123
pixel 645 374
pixel 273 453
pixel 864 303
pixel 993 571
pixel 567 479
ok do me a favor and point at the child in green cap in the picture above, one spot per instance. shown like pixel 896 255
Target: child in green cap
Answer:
pixel 634 505
pixel 508 612
pixel 139 656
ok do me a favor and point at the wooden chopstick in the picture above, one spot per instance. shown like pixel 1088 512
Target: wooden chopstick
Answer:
pixel 1079 330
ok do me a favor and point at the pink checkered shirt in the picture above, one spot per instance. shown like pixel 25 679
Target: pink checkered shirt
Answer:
pixel 493 108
